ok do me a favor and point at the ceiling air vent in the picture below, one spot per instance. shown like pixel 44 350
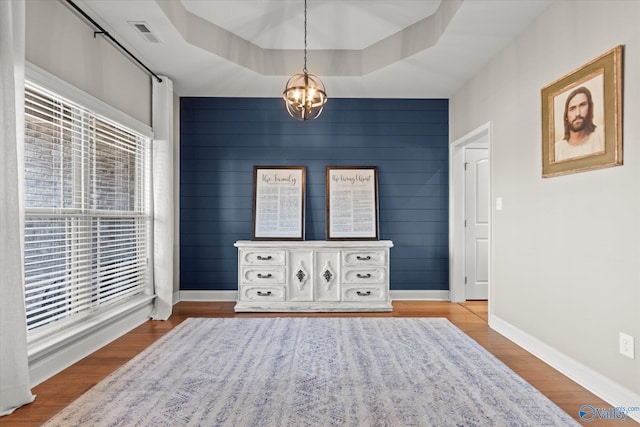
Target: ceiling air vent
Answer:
pixel 145 32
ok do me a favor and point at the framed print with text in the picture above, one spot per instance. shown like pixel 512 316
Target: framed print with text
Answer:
pixel 352 203
pixel 278 202
pixel 582 118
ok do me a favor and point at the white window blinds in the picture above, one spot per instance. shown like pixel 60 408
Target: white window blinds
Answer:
pixel 87 220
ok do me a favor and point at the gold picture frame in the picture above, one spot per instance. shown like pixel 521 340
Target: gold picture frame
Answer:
pixel 582 118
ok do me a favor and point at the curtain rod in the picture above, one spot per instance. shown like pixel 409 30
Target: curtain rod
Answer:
pixel 106 33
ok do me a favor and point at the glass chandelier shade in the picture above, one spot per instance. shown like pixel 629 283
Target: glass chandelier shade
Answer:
pixel 304 94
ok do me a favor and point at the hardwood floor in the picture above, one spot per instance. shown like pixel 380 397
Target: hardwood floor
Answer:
pixel 471 317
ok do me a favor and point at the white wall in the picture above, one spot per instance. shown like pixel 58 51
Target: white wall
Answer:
pixel 565 250
pixel 60 42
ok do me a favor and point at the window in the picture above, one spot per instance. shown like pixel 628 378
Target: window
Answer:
pixel 87 211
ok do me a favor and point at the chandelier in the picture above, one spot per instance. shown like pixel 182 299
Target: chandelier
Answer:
pixel 304 94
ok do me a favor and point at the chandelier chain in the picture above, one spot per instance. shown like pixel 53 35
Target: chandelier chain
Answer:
pixel 305 38
pixel 304 93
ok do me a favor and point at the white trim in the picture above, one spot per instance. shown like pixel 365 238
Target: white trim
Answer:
pixel 208 295
pixel 233 295
pixel 58 353
pixel 176 297
pixel 596 383
pixel 456 210
pixel 55 84
pixel 423 295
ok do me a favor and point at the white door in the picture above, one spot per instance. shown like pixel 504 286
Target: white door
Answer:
pixel 477 223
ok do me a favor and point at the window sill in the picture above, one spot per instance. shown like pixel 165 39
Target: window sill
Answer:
pixel 50 351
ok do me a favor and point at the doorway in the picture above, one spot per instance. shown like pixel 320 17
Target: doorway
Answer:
pixel 470 216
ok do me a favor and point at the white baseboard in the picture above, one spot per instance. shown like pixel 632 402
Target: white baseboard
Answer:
pixel 232 295
pixel 596 383
pixel 420 295
pixel 208 295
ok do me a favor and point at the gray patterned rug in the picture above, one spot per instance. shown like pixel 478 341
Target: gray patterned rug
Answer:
pixel 313 372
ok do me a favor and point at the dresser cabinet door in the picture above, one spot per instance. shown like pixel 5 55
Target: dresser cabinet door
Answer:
pixel 300 275
pixel 327 277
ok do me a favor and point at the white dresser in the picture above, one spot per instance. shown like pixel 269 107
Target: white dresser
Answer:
pixel 313 275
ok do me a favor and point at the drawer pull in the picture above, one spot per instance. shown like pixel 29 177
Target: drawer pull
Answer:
pixel 264 294
pixel 364 276
pixel 264 276
pixel 363 294
pixel 264 258
pixel 364 258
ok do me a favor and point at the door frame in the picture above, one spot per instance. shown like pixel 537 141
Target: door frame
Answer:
pixel 479 138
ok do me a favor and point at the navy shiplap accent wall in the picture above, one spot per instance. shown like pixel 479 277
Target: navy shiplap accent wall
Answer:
pixel 221 139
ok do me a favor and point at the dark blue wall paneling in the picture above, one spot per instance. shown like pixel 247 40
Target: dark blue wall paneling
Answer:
pixel 221 139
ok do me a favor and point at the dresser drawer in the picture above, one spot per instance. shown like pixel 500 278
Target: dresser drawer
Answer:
pixel 262 293
pixel 262 257
pixel 364 275
pixel 364 293
pixel 364 257
pixel 263 275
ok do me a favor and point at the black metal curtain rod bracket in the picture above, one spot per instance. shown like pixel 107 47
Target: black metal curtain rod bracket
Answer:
pixel 110 37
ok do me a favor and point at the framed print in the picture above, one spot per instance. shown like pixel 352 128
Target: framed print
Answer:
pixel 582 118
pixel 278 202
pixel 352 203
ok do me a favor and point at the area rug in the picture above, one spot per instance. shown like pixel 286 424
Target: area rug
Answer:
pixel 313 372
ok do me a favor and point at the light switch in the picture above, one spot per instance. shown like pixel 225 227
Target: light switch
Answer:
pixel 498 203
